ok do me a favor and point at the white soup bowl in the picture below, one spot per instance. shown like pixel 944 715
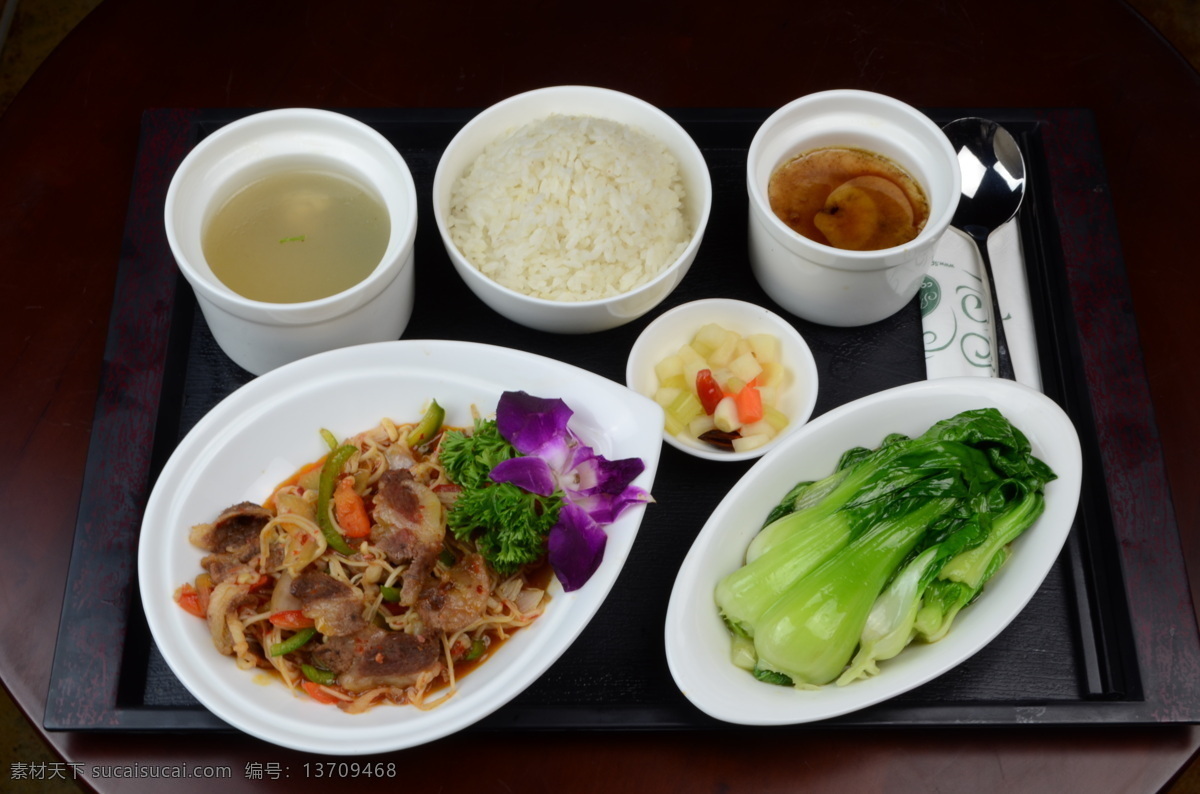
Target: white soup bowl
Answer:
pixel 828 285
pixel 260 336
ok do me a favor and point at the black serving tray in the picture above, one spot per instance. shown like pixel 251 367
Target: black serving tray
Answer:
pixel 1072 656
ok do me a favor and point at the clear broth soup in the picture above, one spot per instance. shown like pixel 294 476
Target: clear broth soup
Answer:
pixel 297 236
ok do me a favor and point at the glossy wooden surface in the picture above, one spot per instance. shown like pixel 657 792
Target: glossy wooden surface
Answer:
pixel 68 143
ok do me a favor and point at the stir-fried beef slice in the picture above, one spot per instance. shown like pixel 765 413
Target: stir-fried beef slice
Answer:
pixel 408 528
pixel 223 567
pixel 332 604
pixel 417 577
pixel 408 516
pixel 459 600
pixel 235 532
pixel 375 657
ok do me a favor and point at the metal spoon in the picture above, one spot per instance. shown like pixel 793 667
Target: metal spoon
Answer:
pixel 993 185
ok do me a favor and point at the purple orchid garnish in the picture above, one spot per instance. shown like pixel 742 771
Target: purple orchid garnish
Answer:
pixel 596 490
pixel 576 546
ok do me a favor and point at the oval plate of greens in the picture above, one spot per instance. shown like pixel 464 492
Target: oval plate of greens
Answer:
pixel 264 432
pixel 903 532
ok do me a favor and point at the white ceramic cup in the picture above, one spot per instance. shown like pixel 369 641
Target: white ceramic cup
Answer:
pixel 828 285
pixel 261 336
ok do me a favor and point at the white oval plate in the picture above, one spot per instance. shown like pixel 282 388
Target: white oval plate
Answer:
pixel 697 643
pixel 266 430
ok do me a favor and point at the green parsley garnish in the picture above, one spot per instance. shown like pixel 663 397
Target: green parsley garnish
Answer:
pixel 509 525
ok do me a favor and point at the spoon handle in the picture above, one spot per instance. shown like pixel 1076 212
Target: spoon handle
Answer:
pixel 1004 365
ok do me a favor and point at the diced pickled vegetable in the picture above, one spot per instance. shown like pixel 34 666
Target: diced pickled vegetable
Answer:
pixel 745 367
pixel 708 391
pixel 674 426
pixel 671 365
pixel 765 348
pixel 726 415
pixel 665 395
pixel 685 407
pixel 725 352
pixel 724 388
pixel 688 355
pixel 746 443
pixel 710 336
pixel 775 418
pixel 772 374
pixel 749 405
pixel 675 381
pixel 691 371
pixel 761 427
pixel 700 425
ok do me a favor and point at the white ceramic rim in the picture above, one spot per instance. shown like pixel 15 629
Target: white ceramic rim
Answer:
pixel 848 259
pixel 440 176
pixel 208 471
pixel 402 237
pixel 793 344
pixel 697 643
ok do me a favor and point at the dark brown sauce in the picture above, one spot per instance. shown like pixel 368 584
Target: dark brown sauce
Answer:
pixel 848 198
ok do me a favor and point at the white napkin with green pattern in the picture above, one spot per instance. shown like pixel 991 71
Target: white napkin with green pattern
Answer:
pixel 955 309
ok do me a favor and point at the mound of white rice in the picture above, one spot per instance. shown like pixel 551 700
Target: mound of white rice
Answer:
pixel 571 208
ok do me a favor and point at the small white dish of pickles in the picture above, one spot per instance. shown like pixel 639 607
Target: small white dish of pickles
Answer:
pixel 732 377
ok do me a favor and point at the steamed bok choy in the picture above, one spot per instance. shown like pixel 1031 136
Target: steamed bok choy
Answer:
pixel 847 571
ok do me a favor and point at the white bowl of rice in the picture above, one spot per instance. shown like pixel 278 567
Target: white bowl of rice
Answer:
pixel 572 209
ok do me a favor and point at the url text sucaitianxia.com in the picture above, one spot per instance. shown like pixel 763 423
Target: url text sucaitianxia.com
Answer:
pixel 68 771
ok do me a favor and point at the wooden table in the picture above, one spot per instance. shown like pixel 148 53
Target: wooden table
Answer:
pixel 68 144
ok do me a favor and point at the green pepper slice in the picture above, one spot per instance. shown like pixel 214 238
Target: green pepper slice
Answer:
pixel 293 643
pixel 429 425
pixel 329 474
pixel 477 649
pixel 317 675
